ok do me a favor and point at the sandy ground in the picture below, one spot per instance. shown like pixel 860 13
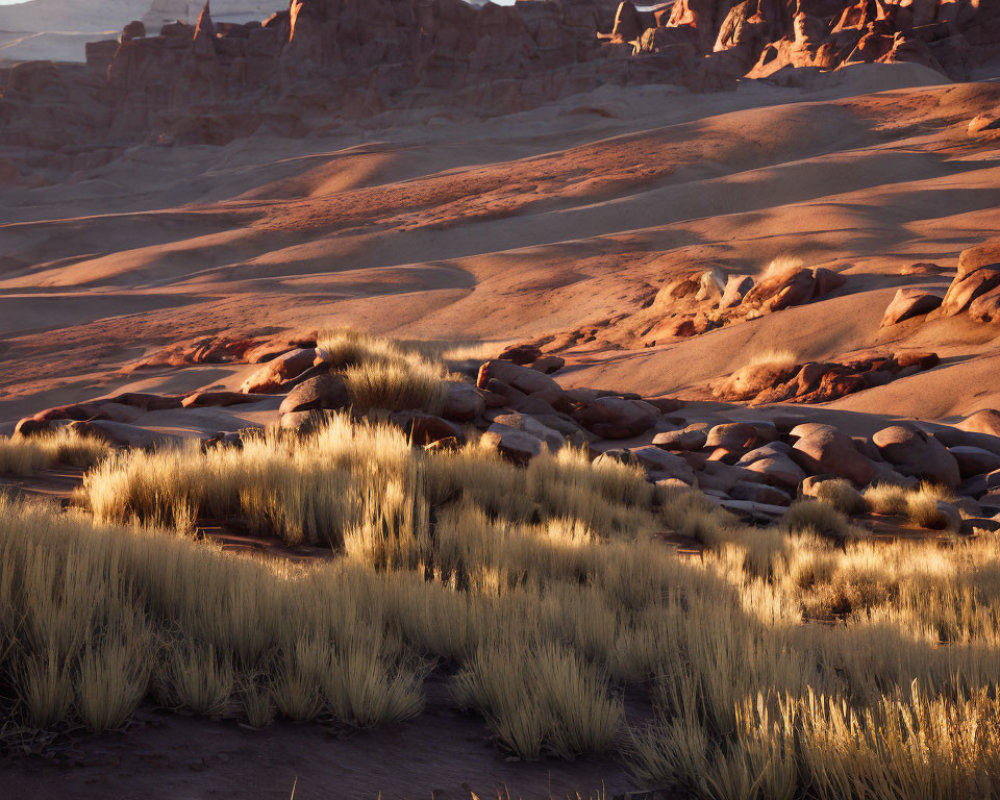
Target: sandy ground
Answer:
pixel 442 755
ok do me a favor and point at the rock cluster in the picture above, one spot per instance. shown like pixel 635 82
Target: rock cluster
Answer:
pixel 818 382
pixel 696 302
pixel 755 468
pixel 763 38
pixel 974 292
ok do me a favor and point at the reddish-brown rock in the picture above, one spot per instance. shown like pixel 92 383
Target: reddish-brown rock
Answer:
pixel 909 303
pixel 269 378
pixel 967 287
pixel 617 418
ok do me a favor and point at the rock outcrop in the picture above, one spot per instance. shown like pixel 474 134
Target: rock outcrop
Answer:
pixel 210 83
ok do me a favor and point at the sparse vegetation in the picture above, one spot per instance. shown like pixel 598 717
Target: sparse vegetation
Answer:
pixel 816 516
pixel 542 595
pixel 382 373
pixel 921 506
pixel 842 495
pixel 22 456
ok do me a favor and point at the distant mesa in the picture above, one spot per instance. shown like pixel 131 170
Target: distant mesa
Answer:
pixel 178 73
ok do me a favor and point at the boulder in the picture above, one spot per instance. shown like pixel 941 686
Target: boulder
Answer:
pixel 986 421
pixel 655 460
pixel 827 282
pixel 323 391
pixel 974 460
pixel 966 288
pixel 424 429
pixel 628 26
pixel 220 399
pixel 982 255
pixel 78 411
pixel 986 307
pixel 120 434
pixel 719 476
pixel 522 422
pixel 523 379
pixel 549 364
pixel 733 436
pixel 616 417
pixel 693 437
pixel 909 303
pixel 915 453
pixel 823 449
pixel 776 470
pixel 514 445
pixel 736 289
pixel 522 354
pixel 463 403
pixel 270 378
pixel 149 402
pixel 760 493
pixel 782 290
pixel 134 30
pixel 756 379
pixel 303 422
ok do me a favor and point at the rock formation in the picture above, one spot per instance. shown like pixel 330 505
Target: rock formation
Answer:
pixel 214 81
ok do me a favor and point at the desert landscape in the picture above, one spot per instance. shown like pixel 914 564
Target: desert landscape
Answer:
pixel 558 399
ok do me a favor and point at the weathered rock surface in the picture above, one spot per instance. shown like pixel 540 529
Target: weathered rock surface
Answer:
pixel 524 379
pixel 269 378
pixel 915 453
pixel 210 83
pixel 823 449
pixel 516 445
pixel 616 417
pixel 323 391
pixel 909 303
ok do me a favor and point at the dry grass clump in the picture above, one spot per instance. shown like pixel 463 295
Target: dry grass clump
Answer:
pixel 779 358
pixel 691 513
pixel 887 498
pixel 780 265
pixel 94 619
pixel 350 480
pixel 920 506
pixel 22 456
pixel 816 516
pixel 382 373
pixel 842 495
pixel 541 699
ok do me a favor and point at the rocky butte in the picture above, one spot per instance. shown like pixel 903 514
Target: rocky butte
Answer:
pixel 319 61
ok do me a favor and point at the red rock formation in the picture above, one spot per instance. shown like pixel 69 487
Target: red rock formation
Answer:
pixel 211 83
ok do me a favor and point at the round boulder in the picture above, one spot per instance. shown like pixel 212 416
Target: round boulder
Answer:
pixel 913 452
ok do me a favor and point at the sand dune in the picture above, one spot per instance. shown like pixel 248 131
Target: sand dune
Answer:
pixel 537 224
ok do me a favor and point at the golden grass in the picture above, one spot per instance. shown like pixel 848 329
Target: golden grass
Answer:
pixel 541 594
pixel 22 456
pixel 775 357
pixel 383 374
pixel 920 506
pixel 816 516
pixel 842 495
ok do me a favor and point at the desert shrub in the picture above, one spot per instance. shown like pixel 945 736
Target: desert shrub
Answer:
pixel 887 498
pixel 816 517
pixel 919 506
pixel 541 699
pixel 691 513
pixel 381 373
pixel 23 455
pixel 842 495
